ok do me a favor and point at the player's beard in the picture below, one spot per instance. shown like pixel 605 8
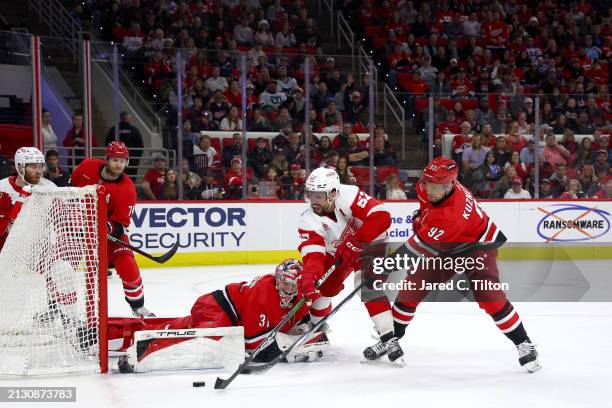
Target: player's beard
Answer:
pixel 31 179
pixel 113 173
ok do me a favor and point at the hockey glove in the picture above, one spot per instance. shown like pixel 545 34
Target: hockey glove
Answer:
pixel 306 285
pixel 349 252
pixel 416 220
pixel 114 229
pixel 6 204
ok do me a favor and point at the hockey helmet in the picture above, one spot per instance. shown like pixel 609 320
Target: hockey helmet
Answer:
pixel 322 180
pixel 441 170
pixel 117 149
pixel 27 155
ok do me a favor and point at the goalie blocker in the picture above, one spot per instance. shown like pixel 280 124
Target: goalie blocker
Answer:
pixel 257 306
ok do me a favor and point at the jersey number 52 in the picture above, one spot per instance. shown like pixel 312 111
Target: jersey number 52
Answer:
pixel 363 199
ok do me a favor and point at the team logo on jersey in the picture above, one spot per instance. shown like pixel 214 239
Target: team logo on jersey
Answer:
pixel 572 222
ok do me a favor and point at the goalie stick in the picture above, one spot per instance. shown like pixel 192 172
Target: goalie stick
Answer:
pixel 266 366
pixel 159 259
pixel 220 383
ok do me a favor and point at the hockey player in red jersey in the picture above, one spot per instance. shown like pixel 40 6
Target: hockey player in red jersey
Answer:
pixel 15 190
pixel 120 201
pixel 258 306
pixel 450 222
pixel 342 218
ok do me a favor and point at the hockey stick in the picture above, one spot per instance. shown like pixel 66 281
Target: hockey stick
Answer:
pixel 283 355
pixel 220 383
pixel 159 259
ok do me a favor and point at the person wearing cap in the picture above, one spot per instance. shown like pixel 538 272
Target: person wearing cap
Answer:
pixel 263 35
pixel 601 165
pixel 154 178
pixel 130 135
pixel 270 99
pixel 293 183
pixel 285 83
pixel 355 107
pixel 602 142
pixel 260 157
pixel 232 181
pixel 546 189
pixel 517 191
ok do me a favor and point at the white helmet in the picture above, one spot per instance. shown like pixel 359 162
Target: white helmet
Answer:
pixel 322 179
pixel 27 155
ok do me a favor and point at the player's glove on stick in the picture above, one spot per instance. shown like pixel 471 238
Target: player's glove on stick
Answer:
pixel 307 286
pixel 349 252
pixel 416 220
pixel 115 229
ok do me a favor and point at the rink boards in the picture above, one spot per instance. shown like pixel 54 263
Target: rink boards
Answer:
pixel 226 232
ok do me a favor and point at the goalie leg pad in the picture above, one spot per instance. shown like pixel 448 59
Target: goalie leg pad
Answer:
pixel 184 349
pixel 310 350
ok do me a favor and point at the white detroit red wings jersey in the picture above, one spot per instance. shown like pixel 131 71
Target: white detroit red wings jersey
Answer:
pixel 10 187
pixel 323 234
pixel 18 196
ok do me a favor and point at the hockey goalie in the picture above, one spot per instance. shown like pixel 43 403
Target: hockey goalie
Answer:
pixel 222 325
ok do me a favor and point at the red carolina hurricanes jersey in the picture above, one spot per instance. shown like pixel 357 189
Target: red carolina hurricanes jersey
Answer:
pixel 356 213
pixel 457 219
pixel 120 194
pixel 256 306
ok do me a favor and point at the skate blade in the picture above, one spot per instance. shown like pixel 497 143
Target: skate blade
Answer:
pixel 400 362
pixel 532 366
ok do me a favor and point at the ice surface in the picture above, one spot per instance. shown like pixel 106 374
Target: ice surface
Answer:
pixel 455 358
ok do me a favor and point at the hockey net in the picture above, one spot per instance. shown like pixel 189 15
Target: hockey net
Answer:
pixel 53 284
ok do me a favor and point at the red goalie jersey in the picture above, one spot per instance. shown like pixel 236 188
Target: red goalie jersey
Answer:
pixel 255 305
pixel 120 193
pixel 459 218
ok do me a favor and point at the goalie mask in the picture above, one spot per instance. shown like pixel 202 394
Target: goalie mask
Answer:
pixel 285 278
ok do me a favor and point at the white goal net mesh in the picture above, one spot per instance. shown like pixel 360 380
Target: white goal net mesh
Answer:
pixel 49 290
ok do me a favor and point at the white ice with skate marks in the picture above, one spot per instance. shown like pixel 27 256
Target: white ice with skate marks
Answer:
pixel 455 357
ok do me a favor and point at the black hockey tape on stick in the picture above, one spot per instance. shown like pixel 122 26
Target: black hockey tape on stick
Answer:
pixel 159 259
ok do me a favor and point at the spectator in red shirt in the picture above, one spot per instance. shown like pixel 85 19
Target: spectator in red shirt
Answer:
pixel 232 182
pixel 461 86
pixel 605 193
pixel 416 88
pixel 75 138
pixel 514 140
pixel 496 32
pixel 153 182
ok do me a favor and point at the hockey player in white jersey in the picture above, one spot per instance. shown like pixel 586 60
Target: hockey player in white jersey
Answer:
pixel 342 218
pixel 15 190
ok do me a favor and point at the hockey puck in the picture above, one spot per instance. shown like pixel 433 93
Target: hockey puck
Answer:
pixel 199 383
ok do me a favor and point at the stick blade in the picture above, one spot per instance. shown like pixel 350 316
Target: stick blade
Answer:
pixel 221 384
pixel 169 254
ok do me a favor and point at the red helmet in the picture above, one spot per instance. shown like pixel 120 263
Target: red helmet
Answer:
pixel 441 170
pixel 117 149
